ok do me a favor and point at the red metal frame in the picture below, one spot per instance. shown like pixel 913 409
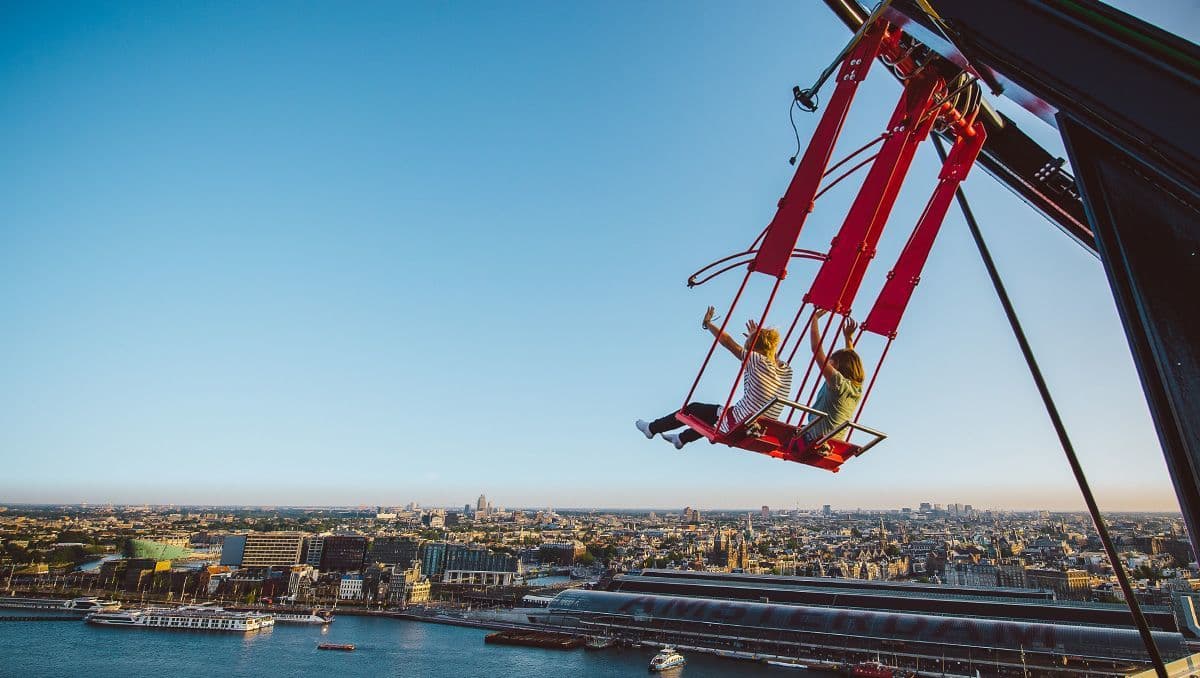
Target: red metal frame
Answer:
pixel 843 268
pixel 902 280
pixel 851 251
pixel 797 202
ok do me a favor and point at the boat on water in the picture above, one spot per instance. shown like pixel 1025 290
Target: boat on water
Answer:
pixel 667 658
pixel 544 639
pixel 344 647
pixel 82 604
pixel 786 664
pixel 314 617
pixel 91 604
pixel 194 618
pixel 599 643
pixel 873 670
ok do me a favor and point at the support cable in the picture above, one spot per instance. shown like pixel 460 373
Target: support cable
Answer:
pixel 1052 410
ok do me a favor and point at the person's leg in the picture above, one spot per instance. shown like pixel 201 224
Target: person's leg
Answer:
pixel 664 424
pixel 704 412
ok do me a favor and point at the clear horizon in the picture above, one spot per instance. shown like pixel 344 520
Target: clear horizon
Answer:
pixel 521 506
pixel 271 255
pixel 578 509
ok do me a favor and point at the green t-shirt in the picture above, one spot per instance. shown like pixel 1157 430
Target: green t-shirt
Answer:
pixel 838 398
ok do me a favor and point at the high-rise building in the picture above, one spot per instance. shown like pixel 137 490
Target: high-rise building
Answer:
pixel 232 549
pixel 827 510
pixel 400 551
pixel 926 506
pixel 438 557
pixel 433 558
pixel 561 553
pixel 343 553
pixel 313 546
pixel 481 506
pixel 272 549
pixel 766 513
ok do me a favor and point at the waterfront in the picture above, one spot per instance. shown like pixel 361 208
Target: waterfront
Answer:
pixel 385 647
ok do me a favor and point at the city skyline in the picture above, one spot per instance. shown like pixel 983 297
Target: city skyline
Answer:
pixel 915 507
pixel 410 251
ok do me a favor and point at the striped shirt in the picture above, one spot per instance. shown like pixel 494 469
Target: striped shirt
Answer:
pixel 763 380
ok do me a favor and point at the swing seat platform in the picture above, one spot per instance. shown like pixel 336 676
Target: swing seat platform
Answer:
pixel 782 440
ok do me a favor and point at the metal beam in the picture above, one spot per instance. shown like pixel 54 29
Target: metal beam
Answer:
pixel 1148 232
pixel 1125 96
pixel 1010 155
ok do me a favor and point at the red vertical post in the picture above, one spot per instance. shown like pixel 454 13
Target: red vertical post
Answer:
pixel 797 201
pixel 852 249
pixel 902 280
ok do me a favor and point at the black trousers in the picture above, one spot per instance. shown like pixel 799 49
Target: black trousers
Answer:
pixel 702 411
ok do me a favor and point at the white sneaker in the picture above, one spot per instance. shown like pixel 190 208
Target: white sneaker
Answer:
pixel 673 438
pixel 644 427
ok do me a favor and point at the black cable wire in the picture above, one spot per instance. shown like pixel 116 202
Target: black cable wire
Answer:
pixel 1059 428
pixel 792 119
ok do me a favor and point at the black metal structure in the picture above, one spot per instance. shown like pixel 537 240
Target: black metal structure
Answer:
pixel 1126 97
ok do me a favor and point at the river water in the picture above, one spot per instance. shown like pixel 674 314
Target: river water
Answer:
pixel 386 647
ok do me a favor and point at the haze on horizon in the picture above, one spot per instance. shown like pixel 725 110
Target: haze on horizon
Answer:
pixel 379 253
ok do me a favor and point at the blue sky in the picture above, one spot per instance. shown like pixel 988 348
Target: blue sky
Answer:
pixel 328 254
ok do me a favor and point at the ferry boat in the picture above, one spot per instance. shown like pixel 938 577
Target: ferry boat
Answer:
pixel 196 618
pixel 84 604
pixel 786 664
pixel 91 604
pixel 667 658
pixel 872 670
pixel 314 617
pixel 599 643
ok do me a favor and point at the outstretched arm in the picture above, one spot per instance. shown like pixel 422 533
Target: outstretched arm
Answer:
pixel 819 352
pixel 725 340
pixel 849 329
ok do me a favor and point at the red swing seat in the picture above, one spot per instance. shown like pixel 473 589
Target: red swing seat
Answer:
pixel 785 441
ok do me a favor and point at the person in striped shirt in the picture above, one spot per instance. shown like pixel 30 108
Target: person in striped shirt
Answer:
pixel 766 377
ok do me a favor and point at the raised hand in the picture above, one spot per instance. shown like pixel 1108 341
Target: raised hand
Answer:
pixel 709 316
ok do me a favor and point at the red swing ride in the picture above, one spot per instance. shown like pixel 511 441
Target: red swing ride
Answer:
pixel 927 100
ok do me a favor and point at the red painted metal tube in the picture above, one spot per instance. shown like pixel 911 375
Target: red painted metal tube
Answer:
pixel 851 252
pixel 902 280
pixel 797 201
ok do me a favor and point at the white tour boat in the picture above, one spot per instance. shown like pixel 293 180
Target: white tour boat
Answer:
pixel 667 658
pixel 314 617
pixel 196 618
pixel 91 604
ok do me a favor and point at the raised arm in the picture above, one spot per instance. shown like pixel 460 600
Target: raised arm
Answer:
pixel 849 328
pixel 814 332
pixel 725 340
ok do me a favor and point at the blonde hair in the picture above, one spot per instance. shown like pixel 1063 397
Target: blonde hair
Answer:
pixel 847 362
pixel 767 341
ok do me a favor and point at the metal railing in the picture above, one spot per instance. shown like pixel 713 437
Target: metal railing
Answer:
pixel 817 417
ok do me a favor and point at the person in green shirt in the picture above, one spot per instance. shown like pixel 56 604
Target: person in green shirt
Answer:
pixel 843 387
